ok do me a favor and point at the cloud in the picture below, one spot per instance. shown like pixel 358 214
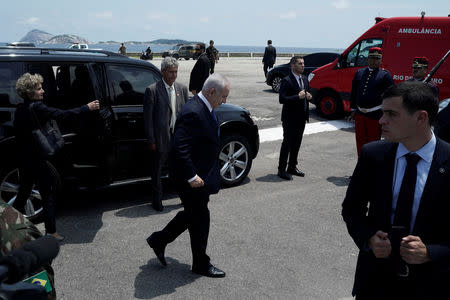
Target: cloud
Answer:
pixel 288 15
pixel 341 4
pixel 104 15
pixel 31 21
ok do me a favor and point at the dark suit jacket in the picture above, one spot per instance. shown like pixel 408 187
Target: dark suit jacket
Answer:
pixel 270 55
pixel 199 73
pixel 195 146
pixel 371 184
pixel 158 112
pixel 295 110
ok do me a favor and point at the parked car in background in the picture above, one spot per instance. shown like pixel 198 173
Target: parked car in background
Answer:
pixel 21 44
pixel 181 51
pixel 312 62
pixel 105 148
pixel 78 46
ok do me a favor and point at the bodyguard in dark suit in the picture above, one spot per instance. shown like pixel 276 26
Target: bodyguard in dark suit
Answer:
pixel 397 207
pixel 294 95
pixel 270 55
pixel 195 172
pixel 162 103
pixel 200 71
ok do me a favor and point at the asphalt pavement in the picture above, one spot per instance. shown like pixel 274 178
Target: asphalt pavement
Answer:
pixel 275 239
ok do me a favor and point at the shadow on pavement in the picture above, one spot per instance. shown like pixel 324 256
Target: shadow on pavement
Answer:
pixel 339 181
pixel 270 178
pixel 155 280
pixel 146 210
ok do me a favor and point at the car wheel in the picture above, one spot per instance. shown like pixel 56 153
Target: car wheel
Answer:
pixel 176 56
pixel 186 58
pixel 276 83
pixel 234 160
pixel 9 188
pixel 329 105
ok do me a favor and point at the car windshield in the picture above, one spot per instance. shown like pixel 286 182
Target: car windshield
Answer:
pixel 174 48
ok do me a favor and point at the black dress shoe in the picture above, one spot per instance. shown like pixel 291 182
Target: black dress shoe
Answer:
pixel 211 271
pixel 296 172
pixel 284 175
pixel 157 205
pixel 159 250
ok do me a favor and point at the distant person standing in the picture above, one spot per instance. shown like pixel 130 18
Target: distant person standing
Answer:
pixel 365 100
pixel 123 49
pixel 270 55
pixel 294 95
pixel 200 71
pixel 419 72
pixel 162 103
pixel 213 56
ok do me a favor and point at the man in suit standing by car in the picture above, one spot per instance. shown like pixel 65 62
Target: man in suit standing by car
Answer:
pixel 270 55
pixel 200 71
pixel 162 103
pixel 195 172
pixel 294 95
pixel 397 207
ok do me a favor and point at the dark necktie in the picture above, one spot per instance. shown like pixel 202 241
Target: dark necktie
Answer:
pixel 405 199
pixel 215 119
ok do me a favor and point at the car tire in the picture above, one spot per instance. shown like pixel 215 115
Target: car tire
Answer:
pixel 186 58
pixel 276 83
pixel 9 187
pixel 329 105
pixel 235 160
pixel 176 56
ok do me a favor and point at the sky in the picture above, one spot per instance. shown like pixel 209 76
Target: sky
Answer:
pixel 290 23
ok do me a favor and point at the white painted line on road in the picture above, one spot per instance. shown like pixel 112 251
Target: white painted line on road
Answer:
pixel 275 134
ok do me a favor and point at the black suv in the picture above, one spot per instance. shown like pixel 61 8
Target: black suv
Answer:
pixel 312 62
pixel 108 147
pixel 181 51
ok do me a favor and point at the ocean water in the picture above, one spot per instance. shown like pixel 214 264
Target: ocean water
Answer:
pixel 221 48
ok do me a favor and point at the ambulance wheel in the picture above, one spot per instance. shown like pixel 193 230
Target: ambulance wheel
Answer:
pixel 329 105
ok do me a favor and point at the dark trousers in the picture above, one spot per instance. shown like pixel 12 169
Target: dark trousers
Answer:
pixel 40 173
pixel 159 160
pixel 212 64
pixel 195 218
pixel 292 139
pixel 266 66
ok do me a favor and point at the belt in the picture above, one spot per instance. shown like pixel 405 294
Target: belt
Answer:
pixel 368 110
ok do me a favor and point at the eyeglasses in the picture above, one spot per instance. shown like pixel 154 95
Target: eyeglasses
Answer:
pixel 197 49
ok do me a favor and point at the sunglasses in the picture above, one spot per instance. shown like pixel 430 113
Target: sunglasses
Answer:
pixel 196 49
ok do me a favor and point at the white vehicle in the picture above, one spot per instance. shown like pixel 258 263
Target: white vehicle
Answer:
pixel 79 46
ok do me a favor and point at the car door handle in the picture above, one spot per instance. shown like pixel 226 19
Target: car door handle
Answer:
pixel 132 122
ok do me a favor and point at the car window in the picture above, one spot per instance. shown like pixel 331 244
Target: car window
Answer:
pixel 357 57
pixel 128 83
pixel 66 85
pixel 9 73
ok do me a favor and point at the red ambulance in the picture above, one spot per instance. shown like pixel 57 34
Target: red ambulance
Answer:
pixel 402 39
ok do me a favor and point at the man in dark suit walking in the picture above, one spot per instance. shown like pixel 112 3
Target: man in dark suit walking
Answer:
pixel 270 55
pixel 397 204
pixel 200 71
pixel 195 172
pixel 294 95
pixel 162 103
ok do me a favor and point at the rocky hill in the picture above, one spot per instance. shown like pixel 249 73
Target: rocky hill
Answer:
pixel 37 36
pixel 67 39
